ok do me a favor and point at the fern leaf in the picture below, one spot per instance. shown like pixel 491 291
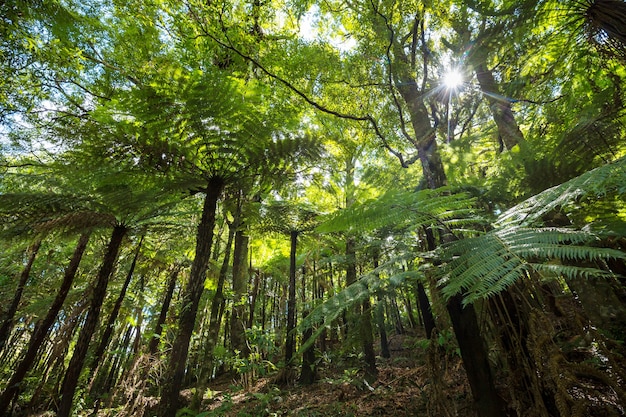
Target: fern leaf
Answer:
pixel 395 208
pixel 482 266
pixel 599 182
pixel 367 285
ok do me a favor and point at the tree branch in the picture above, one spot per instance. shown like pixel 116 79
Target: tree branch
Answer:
pixel 390 75
pixel 228 44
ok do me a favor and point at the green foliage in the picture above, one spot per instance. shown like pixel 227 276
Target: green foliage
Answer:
pixel 283 217
pixel 482 266
pixel 324 314
pixel 595 185
pixel 442 208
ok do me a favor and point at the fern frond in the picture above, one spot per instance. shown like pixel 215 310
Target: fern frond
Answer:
pixel 602 181
pixel 283 217
pixel 482 266
pixel 367 285
pixel 395 208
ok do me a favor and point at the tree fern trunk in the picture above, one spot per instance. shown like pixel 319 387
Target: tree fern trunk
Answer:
pixel 366 334
pixel 91 321
pixel 253 298
pixel 240 293
pixel 308 373
pixel 9 317
pixel 153 345
pixel 382 331
pixel 291 302
pixel 53 367
pixel 424 307
pixel 380 314
pixel 217 306
pixel 264 302
pixel 43 327
pixel 175 372
pixel 110 324
pixel 409 309
pixel 465 323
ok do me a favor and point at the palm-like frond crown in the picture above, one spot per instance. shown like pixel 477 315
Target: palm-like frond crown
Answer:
pixel 283 217
pixel 74 200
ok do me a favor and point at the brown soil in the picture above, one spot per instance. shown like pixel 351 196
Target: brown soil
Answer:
pixel 404 388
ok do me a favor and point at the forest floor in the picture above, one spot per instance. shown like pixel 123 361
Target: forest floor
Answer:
pixel 405 387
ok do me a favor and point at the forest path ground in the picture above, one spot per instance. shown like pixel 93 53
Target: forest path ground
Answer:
pixel 405 387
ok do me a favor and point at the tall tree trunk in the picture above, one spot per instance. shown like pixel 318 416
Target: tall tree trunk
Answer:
pixel 475 360
pixel 290 344
pixel 364 316
pixel 53 368
pixel 380 322
pixel 9 317
pixel 424 306
pixel 139 316
pixel 72 374
pixel 380 315
pixel 217 307
pixel 409 309
pixel 253 297
pixel 471 345
pixel 153 346
pixel 347 316
pixel 264 302
pixel 240 295
pixel 115 370
pixel 395 313
pixel 175 372
pixel 509 132
pixel 473 353
pixel 43 327
pixel 108 329
pixel 367 339
pixel 308 373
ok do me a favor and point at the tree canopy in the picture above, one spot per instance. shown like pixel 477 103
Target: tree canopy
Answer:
pixel 200 188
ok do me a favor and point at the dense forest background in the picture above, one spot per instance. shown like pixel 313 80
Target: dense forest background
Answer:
pixel 264 189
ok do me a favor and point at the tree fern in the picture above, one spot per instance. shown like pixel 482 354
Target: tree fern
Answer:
pixel 483 266
pixel 598 183
pixel 438 208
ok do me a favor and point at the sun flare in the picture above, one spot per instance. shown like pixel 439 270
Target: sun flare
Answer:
pixel 453 79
